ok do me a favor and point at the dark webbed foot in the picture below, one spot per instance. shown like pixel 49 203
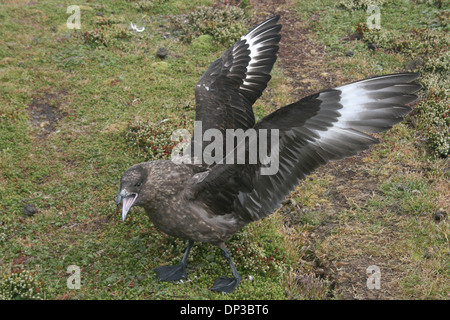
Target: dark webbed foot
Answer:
pixel 171 273
pixel 177 272
pixel 226 285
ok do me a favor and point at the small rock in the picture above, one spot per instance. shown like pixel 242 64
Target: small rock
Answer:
pixel 440 214
pixel 162 53
pixel 29 210
pixel 349 53
pixel 44 124
pixel 372 46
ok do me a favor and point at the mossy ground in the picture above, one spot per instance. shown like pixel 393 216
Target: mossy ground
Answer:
pixel 69 100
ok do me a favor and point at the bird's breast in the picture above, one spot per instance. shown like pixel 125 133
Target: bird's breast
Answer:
pixel 186 220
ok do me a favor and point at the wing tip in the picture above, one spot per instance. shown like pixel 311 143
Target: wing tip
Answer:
pixel 274 18
pixel 268 23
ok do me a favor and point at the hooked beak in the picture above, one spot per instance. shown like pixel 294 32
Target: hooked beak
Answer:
pixel 128 200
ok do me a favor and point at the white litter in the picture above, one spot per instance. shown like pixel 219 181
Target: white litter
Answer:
pixel 133 26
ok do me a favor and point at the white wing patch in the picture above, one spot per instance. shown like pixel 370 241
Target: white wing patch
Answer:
pixel 257 47
pixel 255 52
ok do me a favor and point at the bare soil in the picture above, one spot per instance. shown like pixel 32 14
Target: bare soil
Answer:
pixel 44 113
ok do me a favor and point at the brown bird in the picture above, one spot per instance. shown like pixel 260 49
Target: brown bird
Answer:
pixel 209 202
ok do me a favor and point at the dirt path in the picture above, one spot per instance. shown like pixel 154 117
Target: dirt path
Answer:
pixel 307 65
pixel 300 59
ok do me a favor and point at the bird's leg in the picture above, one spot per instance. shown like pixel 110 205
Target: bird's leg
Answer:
pixel 177 272
pixel 225 284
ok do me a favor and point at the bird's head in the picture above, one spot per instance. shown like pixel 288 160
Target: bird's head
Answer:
pixel 132 187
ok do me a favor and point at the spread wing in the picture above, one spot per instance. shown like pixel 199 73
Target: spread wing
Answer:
pixel 326 126
pixel 227 90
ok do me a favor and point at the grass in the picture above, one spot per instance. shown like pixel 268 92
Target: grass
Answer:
pixel 101 80
pixel 69 100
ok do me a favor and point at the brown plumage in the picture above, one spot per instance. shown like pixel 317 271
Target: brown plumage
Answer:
pixel 210 203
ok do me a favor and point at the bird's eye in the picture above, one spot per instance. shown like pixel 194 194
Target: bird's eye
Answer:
pixel 138 184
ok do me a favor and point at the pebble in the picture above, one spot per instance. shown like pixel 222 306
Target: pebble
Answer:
pixel 372 46
pixel 29 210
pixel 440 214
pixel 162 53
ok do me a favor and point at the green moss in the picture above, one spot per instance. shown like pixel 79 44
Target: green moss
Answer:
pixel 153 141
pixel 434 113
pixel 417 42
pixel 167 7
pixel 224 24
pixel 359 4
pixel 205 42
pixel 18 285
pixel 144 5
pixel 160 66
